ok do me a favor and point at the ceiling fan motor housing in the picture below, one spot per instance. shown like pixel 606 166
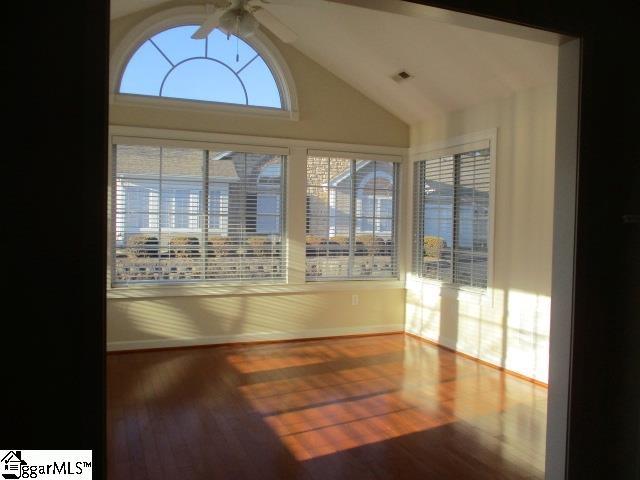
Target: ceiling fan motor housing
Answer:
pixel 239 21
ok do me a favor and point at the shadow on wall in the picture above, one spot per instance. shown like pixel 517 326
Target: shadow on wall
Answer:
pixel 202 316
pixel 229 318
pixel 505 328
pixel 508 325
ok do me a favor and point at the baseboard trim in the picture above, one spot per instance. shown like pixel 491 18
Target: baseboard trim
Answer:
pixel 476 359
pixel 253 338
pixel 284 337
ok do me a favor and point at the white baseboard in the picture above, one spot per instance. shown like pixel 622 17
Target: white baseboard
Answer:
pixel 451 345
pixel 443 341
pixel 252 337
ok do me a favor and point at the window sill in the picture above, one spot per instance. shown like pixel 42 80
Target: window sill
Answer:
pixel 201 106
pixel 156 291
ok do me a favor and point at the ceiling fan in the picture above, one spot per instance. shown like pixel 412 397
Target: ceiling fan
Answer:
pixel 243 17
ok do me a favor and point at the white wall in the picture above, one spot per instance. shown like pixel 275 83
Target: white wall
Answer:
pixel 511 327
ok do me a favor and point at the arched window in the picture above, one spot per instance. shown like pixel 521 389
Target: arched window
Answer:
pixel 218 68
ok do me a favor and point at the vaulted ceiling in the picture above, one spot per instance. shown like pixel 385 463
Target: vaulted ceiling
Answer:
pixel 452 67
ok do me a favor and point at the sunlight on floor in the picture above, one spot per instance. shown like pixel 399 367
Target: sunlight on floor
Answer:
pixel 391 396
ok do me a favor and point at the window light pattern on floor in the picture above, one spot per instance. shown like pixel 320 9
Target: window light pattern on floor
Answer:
pixel 341 409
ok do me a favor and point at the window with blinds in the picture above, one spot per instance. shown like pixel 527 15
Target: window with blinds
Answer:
pixel 192 215
pixel 351 211
pixel 451 217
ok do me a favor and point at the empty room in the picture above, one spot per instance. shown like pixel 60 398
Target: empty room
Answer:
pixel 331 239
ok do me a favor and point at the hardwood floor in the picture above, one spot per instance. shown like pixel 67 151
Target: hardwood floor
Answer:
pixel 378 407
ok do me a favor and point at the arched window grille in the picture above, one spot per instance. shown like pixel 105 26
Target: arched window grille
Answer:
pixel 218 68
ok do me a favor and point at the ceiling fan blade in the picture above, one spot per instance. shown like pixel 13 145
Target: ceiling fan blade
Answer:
pixel 276 27
pixel 207 27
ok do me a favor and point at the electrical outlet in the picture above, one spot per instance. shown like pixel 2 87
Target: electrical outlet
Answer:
pixel 355 299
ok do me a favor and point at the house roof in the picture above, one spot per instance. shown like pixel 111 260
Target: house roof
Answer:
pixel 134 160
pixel 223 168
pixel 335 180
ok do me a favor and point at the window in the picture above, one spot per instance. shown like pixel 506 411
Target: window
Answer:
pixel 193 215
pixel 451 217
pixel 350 230
pixel 215 69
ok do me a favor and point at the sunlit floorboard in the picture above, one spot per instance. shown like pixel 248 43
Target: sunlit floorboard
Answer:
pixel 377 407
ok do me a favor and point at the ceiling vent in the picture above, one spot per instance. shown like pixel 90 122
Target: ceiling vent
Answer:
pixel 401 76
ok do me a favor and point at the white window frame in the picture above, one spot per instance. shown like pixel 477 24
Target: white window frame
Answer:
pixel 452 146
pixel 223 200
pixel 397 209
pixel 377 205
pixel 263 195
pixel 295 210
pixel 195 15
pixel 171 210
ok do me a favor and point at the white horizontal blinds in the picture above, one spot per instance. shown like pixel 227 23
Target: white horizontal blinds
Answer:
pixel 451 218
pixel 434 216
pixel 419 250
pixel 246 213
pixel 329 220
pixel 350 230
pixel 471 216
pixel 185 215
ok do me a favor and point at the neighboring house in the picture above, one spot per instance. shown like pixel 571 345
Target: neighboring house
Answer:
pixel 373 196
pixel 472 215
pixel 171 200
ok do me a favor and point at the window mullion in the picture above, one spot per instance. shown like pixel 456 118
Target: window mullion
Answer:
pixel 455 224
pixel 352 224
pixel 284 260
pixel 472 278
pixel 394 234
pixel 242 239
pixel 204 216
pixel 160 200
pixel 419 205
pixel 374 215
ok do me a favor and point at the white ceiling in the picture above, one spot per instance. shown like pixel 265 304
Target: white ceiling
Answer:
pixel 120 8
pixel 453 67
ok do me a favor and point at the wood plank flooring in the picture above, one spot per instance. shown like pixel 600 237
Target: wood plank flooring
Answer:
pixel 379 407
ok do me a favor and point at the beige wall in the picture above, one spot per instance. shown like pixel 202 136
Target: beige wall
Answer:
pixel 152 322
pixel 330 109
pixel 511 327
